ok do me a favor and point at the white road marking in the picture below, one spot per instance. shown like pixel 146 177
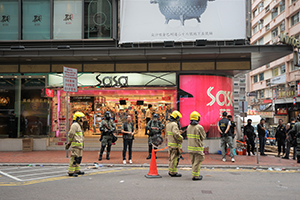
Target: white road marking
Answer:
pixel 54 172
pixel 38 169
pixel 5 174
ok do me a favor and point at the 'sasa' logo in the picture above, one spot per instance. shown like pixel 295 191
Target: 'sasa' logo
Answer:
pixel 227 101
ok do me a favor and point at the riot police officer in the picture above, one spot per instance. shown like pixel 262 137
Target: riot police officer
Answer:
pixel 280 136
pixel 296 128
pixel 154 127
pixel 249 136
pixel 107 127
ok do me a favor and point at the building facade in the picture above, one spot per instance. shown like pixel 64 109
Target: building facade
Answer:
pixel 276 83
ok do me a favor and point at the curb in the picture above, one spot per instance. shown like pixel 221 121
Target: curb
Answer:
pixel 159 165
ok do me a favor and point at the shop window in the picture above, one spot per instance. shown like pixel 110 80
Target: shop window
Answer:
pixel 282 6
pixel 36 19
pixel 295 19
pixel 282 69
pixel 261 76
pixel 67 19
pixel 255 79
pixel 9 20
pixel 275 32
pixel 97 19
pixel 274 12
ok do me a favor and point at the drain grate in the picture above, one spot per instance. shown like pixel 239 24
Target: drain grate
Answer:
pixel 206 191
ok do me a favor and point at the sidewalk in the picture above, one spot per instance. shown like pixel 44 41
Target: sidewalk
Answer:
pixel 139 159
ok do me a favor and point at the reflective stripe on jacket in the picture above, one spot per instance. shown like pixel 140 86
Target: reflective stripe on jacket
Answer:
pixel 76 136
pixel 174 137
pixel 195 135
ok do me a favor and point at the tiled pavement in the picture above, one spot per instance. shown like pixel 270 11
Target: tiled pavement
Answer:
pixel 139 158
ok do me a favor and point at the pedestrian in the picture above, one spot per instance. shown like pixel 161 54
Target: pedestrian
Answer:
pixel 249 136
pixel 232 126
pixel 291 140
pixel 76 143
pixel 296 129
pixel 280 136
pixel 174 142
pixel 226 137
pixel 195 135
pixel 148 116
pixel 107 127
pixel 154 127
pixel 261 135
pixel 128 137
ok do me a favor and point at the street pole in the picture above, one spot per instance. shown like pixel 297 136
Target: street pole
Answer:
pixel 257 150
pixel 67 118
pixel 243 119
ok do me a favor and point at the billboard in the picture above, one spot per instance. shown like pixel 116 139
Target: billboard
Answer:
pixel 182 20
pixel 207 94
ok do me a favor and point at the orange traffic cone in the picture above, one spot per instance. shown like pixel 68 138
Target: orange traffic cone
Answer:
pixel 153 168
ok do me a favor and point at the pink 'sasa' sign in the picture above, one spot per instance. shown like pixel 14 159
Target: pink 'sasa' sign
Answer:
pixel 210 95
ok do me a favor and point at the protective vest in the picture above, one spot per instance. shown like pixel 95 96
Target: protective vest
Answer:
pixel 110 123
pixel 151 124
pixel 280 132
pixel 127 136
pixel 195 135
pixel 296 128
pixel 76 136
pixel 249 131
pixel 174 137
pixel 223 123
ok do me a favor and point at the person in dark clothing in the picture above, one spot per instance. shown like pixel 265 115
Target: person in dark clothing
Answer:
pixel 291 140
pixel 261 135
pixel 226 137
pixel 280 136
pixel 249 136
pixel 128 136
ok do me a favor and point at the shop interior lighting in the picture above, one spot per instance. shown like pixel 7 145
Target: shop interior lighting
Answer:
pixel 169 44
pixel 63 47
pixel 201 42
pixel 17 47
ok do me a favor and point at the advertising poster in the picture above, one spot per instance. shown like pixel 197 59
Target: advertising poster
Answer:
pixel 67 19
pixel 36 20
pixel 210 96
pixel 182 20
pixel 9 20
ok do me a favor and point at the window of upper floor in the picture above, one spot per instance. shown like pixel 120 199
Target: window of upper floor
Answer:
pixel 254 30
pixel 275 32
pixel 267 27
pixel 261 76
pixel 274 12
pixel 261 41
pixel 295 19
pixel 282 6
pixel 254 13
pixel 255 79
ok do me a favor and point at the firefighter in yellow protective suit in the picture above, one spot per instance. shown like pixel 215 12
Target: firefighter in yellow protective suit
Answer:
pixel 76 142
pixel 174 142
pixel 195 135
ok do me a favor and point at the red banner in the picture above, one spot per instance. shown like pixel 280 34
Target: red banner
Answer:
pixel 282 111
pixel 212 95
pixel 267 101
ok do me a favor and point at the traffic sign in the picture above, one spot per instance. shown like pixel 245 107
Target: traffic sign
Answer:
pixel 70 79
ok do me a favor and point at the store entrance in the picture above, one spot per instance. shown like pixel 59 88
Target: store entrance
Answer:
pixel 121 102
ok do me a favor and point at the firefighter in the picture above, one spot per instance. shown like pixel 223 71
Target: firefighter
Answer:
pixel 174 142
pixel 107 127
pixel 195 135
pixel 76 142
pixel 154 126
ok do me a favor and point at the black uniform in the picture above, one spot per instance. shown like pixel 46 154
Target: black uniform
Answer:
pixel 280 136
pixel 249 132
pixel 291 142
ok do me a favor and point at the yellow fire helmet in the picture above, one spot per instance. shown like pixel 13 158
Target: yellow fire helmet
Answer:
pixel 176 115
pixel 195 116
pixel 79 115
